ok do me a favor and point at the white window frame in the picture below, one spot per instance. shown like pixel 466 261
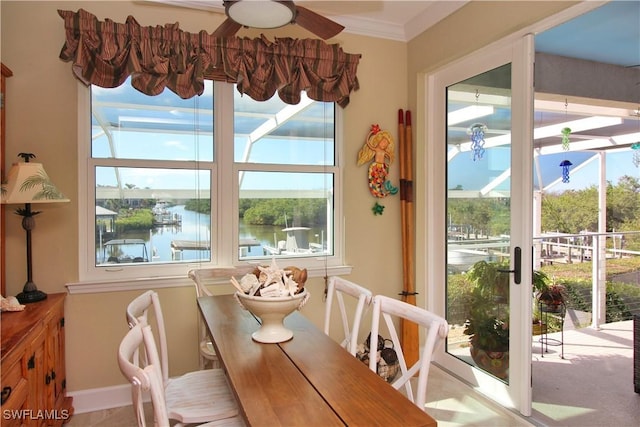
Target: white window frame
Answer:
pixel 224 234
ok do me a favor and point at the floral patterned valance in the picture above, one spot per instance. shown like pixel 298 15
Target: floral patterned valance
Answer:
pixel 106 53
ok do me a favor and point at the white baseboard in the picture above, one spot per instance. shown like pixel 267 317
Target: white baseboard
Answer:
pixel 97 399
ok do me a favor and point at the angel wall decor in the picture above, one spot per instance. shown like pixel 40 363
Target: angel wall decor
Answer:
pixel 379 147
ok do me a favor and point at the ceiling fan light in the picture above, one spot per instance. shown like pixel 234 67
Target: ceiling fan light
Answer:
pixel 261 14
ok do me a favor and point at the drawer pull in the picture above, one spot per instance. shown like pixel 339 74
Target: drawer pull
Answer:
pixel 6 392
pixel 47 379
pixel 32 362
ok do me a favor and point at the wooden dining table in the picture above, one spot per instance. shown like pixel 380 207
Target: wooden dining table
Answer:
pixel 309 380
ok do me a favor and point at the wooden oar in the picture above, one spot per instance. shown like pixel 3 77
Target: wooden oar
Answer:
pixel 410 338
pixel 403 203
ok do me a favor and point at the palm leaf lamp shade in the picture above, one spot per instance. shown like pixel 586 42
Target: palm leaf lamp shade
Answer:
pixel 28 183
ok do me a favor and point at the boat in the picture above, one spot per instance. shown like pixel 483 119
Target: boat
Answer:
pixel 162 216
pixel 119 251
pixel 161 207
pixel 297 242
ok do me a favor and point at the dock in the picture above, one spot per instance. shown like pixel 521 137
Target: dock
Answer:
pixel 177 246
pixel 190 245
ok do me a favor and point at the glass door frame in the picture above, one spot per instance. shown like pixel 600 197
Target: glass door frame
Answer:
pixel 431 209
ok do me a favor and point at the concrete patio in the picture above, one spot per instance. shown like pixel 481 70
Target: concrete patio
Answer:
pixel 592 385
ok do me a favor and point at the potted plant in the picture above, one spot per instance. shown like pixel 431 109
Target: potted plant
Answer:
pixel 551 297
pixel 487 321
pixel 540 283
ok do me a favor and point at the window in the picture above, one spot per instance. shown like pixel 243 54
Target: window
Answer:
pixel 218 179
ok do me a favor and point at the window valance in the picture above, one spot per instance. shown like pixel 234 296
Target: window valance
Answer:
pixel 105 53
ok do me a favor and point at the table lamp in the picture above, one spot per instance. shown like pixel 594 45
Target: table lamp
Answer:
pixel 28 183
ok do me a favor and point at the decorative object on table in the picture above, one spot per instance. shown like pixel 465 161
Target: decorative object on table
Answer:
pixel 387 364
pixel 477 131
pixel 565 165
pixel 28 183
pixel 636 154
pixel 271 294
pixel 566 132
pixel 487 321
pixel 379 147
pixel 409 330
pixel 10 304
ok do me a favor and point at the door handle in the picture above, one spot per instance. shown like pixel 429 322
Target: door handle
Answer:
pixel 517 266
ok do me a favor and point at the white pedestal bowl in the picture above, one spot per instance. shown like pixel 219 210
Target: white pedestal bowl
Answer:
pixel 272 311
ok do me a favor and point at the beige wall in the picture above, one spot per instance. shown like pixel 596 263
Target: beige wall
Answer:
pixel 42 118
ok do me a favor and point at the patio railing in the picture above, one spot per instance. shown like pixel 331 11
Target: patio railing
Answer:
pixel 561 248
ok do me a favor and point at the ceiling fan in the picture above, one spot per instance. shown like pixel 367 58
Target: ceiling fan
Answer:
pixel 260 14
pixel 273 14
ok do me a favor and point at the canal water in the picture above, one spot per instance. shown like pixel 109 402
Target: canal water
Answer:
pixel 196 227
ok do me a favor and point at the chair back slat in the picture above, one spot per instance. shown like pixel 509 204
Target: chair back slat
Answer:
pixel 435 328
pixel 147 378
pixel 337 288
pixel 201 276
pixel 138 312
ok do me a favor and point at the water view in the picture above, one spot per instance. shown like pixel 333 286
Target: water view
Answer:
pixel 186 237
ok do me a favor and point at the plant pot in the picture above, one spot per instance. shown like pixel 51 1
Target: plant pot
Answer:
pixel 550 307
pixel 494 362
pixel 539 328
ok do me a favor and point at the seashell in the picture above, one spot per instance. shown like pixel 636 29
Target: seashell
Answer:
pixel 248 282
pixel 299 275
pixel 10 304
pixel 271 281
pixel 291 286
pixel 273 290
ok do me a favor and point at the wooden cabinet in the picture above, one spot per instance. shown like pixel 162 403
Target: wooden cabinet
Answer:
pixel 33 365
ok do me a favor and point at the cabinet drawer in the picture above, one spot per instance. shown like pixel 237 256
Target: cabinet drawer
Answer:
pixel 14 390
pixel 12 378
pixel 13 413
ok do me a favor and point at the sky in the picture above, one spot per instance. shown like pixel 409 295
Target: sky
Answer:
pixel 618 164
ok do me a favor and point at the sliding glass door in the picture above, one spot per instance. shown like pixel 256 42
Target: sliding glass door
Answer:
pixel 482 228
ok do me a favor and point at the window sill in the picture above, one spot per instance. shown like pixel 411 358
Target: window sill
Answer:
pixel 95 287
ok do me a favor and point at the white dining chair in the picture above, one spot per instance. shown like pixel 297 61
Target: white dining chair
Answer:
pixel 436 330
pixel 336 288
pixel 194 397
pixel 148 379
pixel 200 277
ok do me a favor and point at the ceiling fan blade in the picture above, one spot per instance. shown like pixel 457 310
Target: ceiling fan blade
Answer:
pixel 227 29
pixel 322 27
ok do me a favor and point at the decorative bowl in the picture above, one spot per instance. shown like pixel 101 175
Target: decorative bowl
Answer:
pixel 272 311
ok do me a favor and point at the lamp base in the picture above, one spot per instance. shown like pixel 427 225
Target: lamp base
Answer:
pixel 27 297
